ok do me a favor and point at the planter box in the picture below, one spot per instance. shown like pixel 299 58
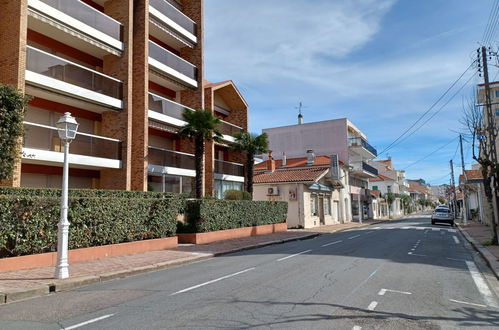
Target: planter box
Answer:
pixel 220 235
pixel 86 254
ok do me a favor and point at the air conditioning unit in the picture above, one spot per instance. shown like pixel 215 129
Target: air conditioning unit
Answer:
pixel 272 191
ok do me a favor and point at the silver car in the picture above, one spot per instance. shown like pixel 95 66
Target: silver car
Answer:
pixel 442 214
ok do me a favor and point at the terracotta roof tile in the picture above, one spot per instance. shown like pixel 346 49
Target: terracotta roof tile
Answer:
pixel 295 162
pixel 375 193
pixel 381 177
pixel 291 175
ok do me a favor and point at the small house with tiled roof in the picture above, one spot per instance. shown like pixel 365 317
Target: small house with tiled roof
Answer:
pixel 314 187
pixel 472 185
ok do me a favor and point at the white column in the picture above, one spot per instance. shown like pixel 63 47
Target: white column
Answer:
pixel 62 266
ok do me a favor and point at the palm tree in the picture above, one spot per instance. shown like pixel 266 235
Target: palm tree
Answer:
pixel 201 126
pixel 253 145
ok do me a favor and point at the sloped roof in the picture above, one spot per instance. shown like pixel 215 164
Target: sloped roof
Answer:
pixel 414 187
pixel 381 177
pixel 375 193
pixel 295 162
pixel 307 174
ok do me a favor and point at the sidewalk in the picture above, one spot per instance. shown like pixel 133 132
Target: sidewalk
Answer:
pixel 24 284
pixel 478 234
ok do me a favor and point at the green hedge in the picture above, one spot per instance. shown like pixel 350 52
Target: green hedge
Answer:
pixel 211 215
pixel 29 223
pixel 48 192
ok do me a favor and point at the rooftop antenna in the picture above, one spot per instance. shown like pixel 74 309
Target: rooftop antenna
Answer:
pixel 300 116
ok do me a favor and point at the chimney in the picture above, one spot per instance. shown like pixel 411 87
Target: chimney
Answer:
pixel 310 157
pixel 271 163
pixel 283 159
pixel 300 119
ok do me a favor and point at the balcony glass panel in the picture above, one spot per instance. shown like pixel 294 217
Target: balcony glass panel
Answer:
pixel 166 106
pixel 223 167
pixel 46 138
pixel 173 61
pixel 368 168
pixel 174 14
pixel 88 15
pixel 361 142
pixel 170 158
pixel 228 128
pixel 58 68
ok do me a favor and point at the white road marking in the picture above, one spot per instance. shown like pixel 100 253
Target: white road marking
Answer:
pixel 368 232
pixel 417 255
pixel 451 230
pixel 212 281
pixel 456 259
pixel 354 237
pixel 480 284
pixel 420 228
pixel 435 229
pixel 467 303
pixel 383 291
pixel 456 240
pixel 293 255
pixel 406 227
pixel 356 327
pixel 331 243
pixel 88 322
pixel 372 305
pixel 390 227
pixel 377 228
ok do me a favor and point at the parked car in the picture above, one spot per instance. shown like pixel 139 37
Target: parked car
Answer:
pixel 442 214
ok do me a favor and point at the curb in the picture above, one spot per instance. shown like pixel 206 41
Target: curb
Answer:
pixel 489 257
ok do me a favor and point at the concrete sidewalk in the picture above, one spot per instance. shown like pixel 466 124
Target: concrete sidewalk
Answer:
pixel 478 235
pixel 24 284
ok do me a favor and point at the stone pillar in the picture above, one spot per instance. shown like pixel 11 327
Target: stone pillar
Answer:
pixel 13 31
pixel 118 124
pixel 140 106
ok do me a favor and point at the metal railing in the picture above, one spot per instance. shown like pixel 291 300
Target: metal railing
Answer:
pixel 58 68
pixel 368 168
pixel 43 137
pixel 358 141
pixel 167 107
pixel 228 128
pixel 173 61
pixel 170 11
pixel 229 168
pixel 88 15
pixel 170 158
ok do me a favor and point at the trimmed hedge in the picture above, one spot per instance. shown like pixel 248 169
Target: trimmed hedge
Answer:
pixel 49 192
pixel 210 215
pixel 29 224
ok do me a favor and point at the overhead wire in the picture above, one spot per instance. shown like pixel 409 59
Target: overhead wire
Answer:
pixel 489 32
pixel 431 153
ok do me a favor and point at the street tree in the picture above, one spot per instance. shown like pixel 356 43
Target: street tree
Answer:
pixel 201 126
pixel 390 198
pixel 252 145
pixel 13 106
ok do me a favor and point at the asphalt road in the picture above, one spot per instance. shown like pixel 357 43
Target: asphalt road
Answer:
pixel 397 275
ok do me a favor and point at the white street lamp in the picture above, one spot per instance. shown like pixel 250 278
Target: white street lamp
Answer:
pixel 66 127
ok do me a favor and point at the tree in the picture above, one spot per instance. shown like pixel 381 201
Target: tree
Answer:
pixel 13 106
pixel 390 198
pixel 253 145
pixel 406 202
pixel 201 126
pixel 473 122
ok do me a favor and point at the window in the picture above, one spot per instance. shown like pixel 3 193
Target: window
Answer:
pixel 375 188
pixel 389 189
pixel 314 201
pixel 327 206
pixel 222 186
pixel 497 93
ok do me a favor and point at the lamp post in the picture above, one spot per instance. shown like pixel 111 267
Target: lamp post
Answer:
pixel 66 127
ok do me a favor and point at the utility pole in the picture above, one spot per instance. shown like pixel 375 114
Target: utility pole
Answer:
pixel 454 201
pixel 491 137
pixel 465 214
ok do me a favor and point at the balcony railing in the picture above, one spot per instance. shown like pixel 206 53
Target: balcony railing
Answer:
pixel 370 169
pixel 88 15
pixel 170 158
pixel 174 14
pixel 229 168
pixel 167 107
pixel 228 128
pixel 43 137
pixel 58 68
pixel 361 142
pixel 173 61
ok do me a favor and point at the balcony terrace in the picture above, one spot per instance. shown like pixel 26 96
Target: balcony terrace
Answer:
pixel 170 162
pixel 364 170
pixel 360 145
pixel 169 22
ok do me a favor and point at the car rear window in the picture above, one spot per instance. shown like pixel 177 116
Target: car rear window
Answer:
pixel 442 210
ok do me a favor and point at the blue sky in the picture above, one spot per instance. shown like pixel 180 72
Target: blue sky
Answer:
pixel 380 63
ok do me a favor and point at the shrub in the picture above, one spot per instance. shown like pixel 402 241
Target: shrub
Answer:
pixel 211 215
pixel 29 223
pixel 237 195
pixel 51 192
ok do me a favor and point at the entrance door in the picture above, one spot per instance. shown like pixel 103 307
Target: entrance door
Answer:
pixel 321 210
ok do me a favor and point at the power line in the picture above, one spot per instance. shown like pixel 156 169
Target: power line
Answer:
pixel 427 111
pixel 491 23
pixel 393 145
pixel 441 178
pixel 431 153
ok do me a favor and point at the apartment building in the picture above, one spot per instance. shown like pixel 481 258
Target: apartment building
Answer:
pixel 494 100
pixel 126 70
pixel 332 137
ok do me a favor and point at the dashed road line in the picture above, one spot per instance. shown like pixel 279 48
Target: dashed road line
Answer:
pixel 356 327
pixel 331 243
pixel 417 255
pixel 212 281
pixel 293 255
pixel 372 305
pixel 435 229
pixel 88 322
pixel 456 240
pixel 467 303
pixel 354 237
pixel 383 291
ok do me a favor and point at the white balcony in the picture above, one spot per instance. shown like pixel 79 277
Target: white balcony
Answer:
pixel 164 161
pixel 54 78
pixel 363 170
pixel 229 171
pixel 76 24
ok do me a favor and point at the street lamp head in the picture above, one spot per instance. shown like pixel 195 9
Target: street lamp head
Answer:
pixel 67 127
